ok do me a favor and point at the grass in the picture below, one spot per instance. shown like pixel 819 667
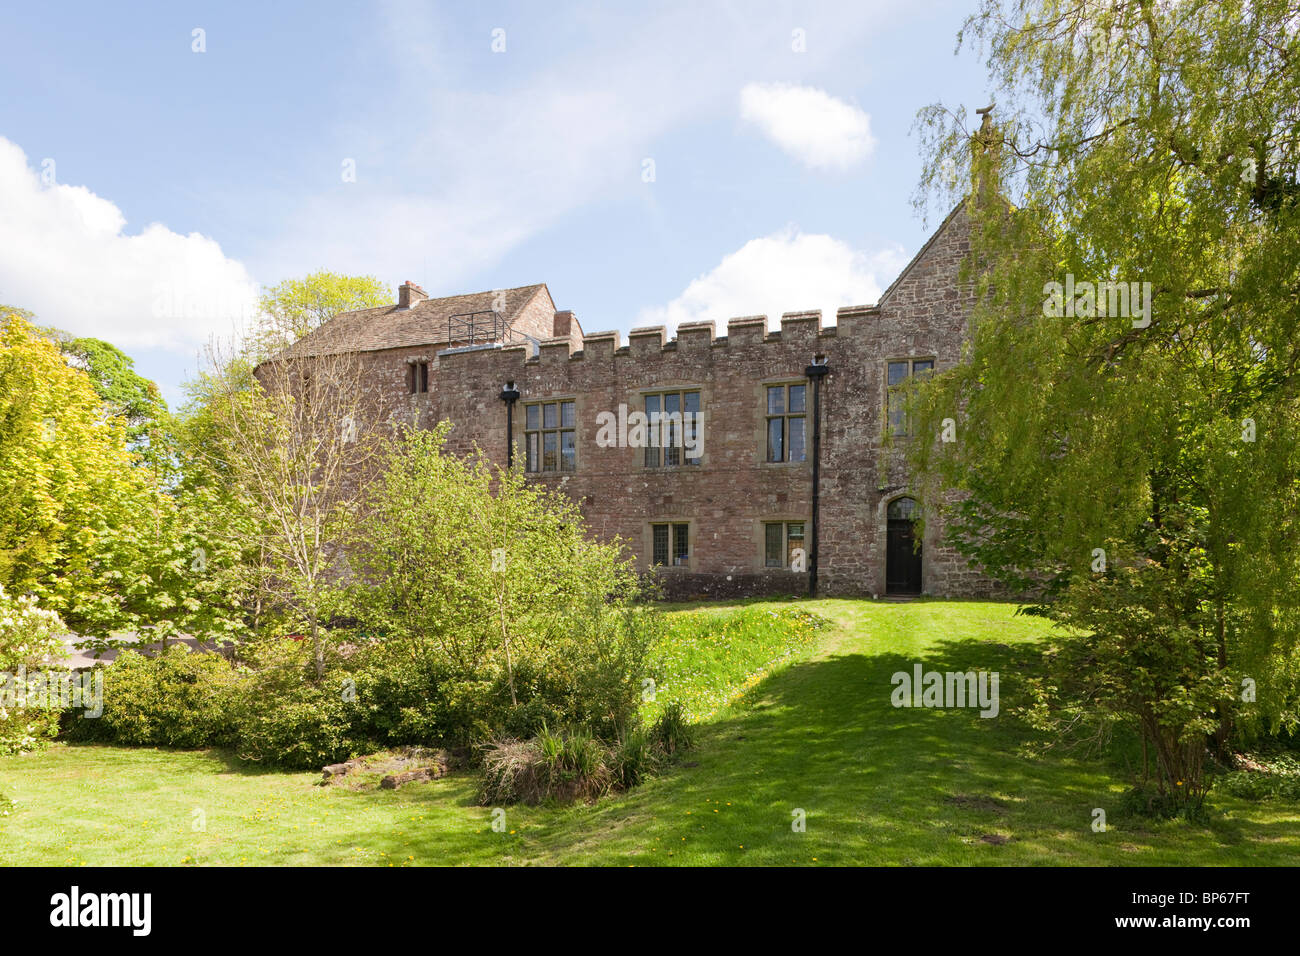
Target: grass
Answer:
pixel 711 656
pixel 817 733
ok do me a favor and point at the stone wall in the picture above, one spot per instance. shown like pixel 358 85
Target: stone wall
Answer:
pixel 727 498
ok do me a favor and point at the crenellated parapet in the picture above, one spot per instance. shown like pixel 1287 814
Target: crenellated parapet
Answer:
pixel 693 338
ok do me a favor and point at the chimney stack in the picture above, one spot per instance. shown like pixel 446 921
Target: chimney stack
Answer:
pixel 408 294
pixel 563 324
pixel 986 157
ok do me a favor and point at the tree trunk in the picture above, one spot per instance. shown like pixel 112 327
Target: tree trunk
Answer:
pixel 318 652
pixel 510 665
pixel 1224 731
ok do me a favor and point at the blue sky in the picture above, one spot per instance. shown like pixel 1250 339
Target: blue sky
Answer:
pixel 147 190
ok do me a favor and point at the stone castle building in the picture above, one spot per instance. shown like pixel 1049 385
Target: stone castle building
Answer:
pixel 698 450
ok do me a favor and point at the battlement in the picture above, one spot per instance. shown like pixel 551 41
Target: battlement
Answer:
pixel 649 342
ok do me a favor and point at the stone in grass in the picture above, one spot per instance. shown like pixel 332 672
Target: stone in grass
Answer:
pixel 394 767
pixel 341 769
pixel 424 774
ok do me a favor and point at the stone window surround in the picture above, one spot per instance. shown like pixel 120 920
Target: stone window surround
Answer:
pixel 760 538
pixel 520 437
pixel 911 359
pixel 807 422
pixel 636 402
pixel 760 428
pixel 648 544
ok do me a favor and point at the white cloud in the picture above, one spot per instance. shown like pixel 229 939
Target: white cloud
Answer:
pixel 814 127
pixel 789 271
pixel 65 256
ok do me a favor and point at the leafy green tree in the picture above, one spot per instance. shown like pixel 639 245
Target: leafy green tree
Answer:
pixel 1131 453
pixel 292 441
pixel 78 522
pixel 471 565
pixel 124 391
pixel 294 307
pixel 263 543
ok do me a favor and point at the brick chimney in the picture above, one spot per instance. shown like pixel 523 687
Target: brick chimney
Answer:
pixel 408 294
pixel 563 324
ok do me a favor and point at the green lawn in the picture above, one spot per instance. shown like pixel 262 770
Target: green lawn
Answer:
pixel 878 785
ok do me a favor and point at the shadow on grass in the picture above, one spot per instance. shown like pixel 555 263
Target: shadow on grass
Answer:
pixel 886 784
pixel 878 784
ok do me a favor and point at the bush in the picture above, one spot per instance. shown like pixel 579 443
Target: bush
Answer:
pixel 562 767
pixel 503 614
pixel 180 698
pixel 273 711
pixel 28 638
pixel 635 758
pixel 302 729
pixel 290 719
pixel 1277 778
pixel 672 732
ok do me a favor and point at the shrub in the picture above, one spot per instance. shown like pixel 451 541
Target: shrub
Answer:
pixel 28 638
pixel 179 698
pixel 635 758
pixel 1277 778
pixel 672 732
pixel 303 728
pixel 291 719
pixel 562 767
pixel 516 617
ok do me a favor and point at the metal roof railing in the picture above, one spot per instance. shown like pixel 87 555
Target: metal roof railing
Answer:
pixel 475 328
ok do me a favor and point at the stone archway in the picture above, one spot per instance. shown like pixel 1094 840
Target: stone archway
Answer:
pixel 902 548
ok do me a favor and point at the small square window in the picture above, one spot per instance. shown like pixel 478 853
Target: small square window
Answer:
pixel 783 545
pixel 670 544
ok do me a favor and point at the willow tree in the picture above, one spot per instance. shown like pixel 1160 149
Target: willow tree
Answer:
pixel 1128 417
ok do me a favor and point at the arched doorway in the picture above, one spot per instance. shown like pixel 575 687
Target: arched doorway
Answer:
pixel 902 549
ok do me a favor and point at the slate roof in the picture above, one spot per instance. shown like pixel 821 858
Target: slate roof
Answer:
pixel 389 327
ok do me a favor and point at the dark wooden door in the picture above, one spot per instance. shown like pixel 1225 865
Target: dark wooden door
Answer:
pixel 902 559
